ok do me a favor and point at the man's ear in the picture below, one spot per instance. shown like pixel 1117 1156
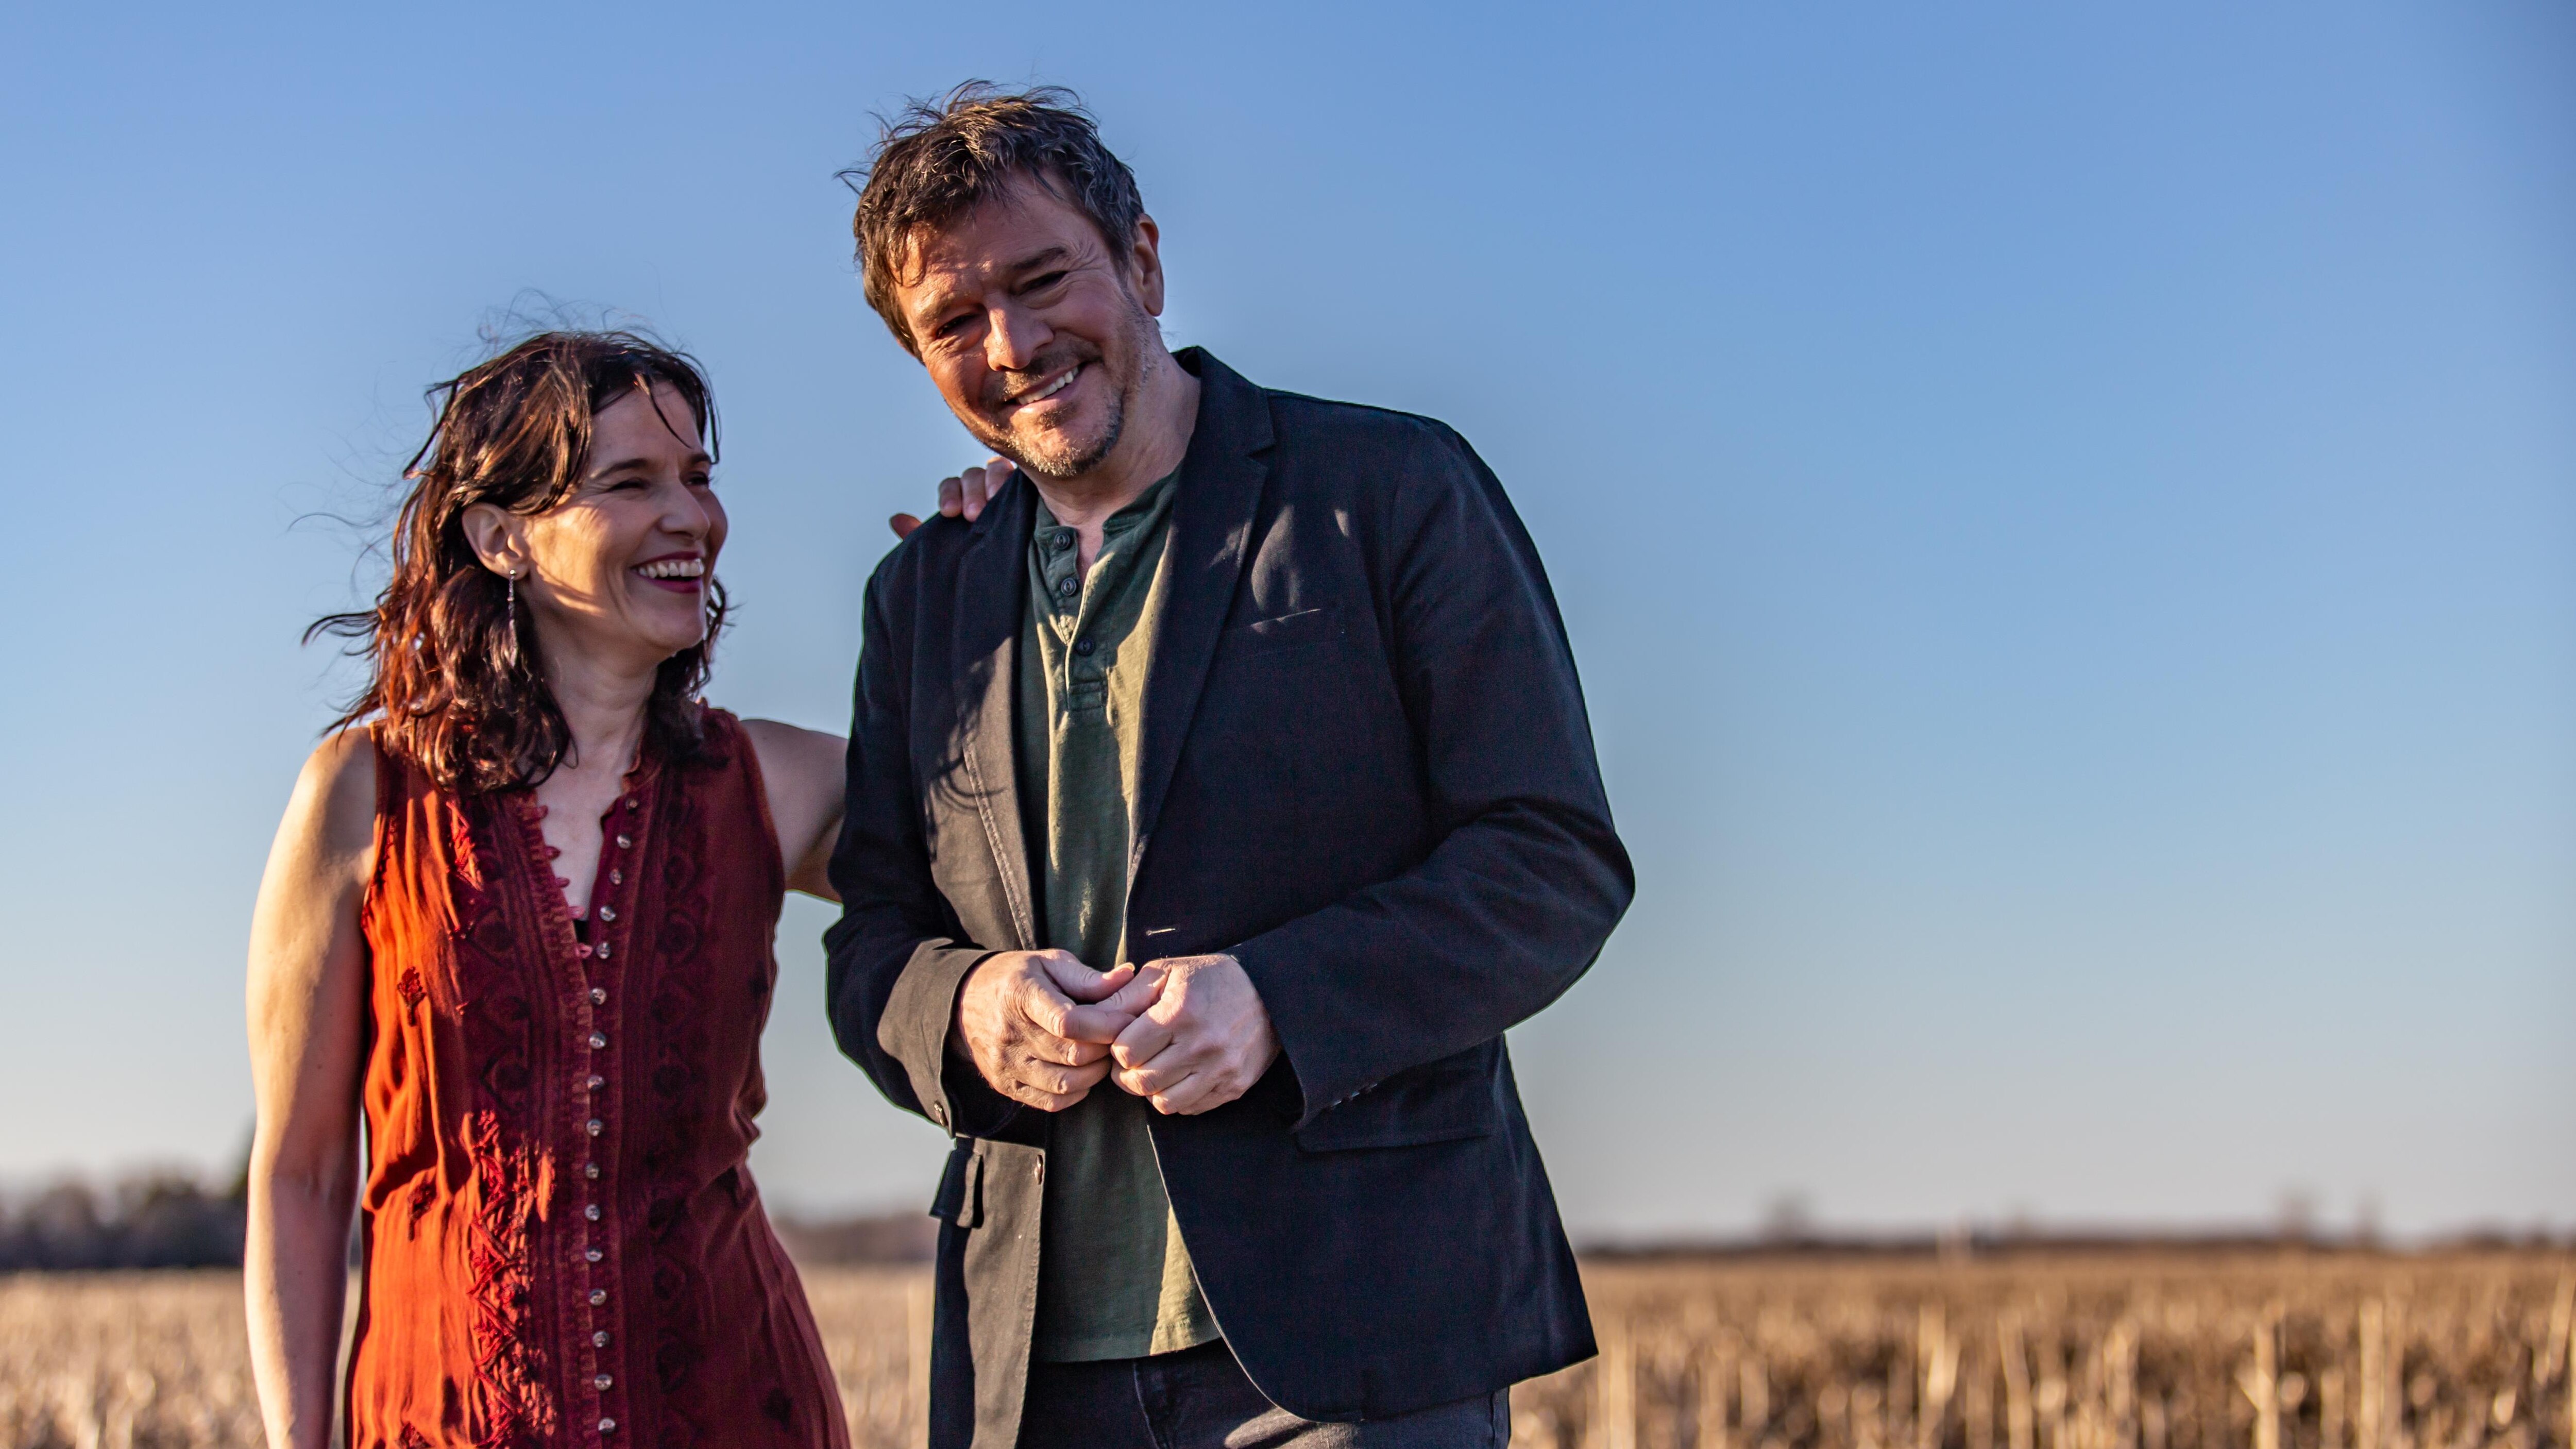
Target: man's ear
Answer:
pixel 493 532
pixel 1145 265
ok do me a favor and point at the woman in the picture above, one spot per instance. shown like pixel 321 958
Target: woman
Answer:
pixel 519 913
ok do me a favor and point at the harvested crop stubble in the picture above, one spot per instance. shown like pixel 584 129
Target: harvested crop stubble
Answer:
pixel 2134 1350
pixel 123 1359
pixel 2144 1350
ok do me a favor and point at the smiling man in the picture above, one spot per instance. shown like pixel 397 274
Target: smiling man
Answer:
pixel 1219 794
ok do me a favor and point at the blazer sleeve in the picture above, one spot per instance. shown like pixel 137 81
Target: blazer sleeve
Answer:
pixel 898 954
pixel 1527 876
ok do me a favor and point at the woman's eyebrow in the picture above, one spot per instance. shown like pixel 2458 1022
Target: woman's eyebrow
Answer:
pixel 698 459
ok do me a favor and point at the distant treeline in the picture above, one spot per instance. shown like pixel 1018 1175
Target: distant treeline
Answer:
pixel 171 1220
pixel 155 1220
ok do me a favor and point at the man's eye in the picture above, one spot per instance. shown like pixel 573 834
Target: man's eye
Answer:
pixel 702 480
pixel 1041 283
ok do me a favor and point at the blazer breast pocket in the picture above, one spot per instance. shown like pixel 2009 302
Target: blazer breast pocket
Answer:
pixel 1299 630
pixel 1409 1109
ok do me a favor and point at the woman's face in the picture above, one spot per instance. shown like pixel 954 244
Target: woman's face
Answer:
pixel 618 571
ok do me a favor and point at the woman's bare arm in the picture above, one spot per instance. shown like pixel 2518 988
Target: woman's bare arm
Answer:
pixel 307 998
pixel 805 774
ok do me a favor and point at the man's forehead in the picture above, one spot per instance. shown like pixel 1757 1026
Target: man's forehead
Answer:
pixel 1014 229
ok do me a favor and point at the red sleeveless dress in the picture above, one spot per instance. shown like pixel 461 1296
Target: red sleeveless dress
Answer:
pixel 562 1244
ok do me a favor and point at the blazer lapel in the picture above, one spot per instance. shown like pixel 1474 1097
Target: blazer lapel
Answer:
pixel 992 579
pixel 1221 481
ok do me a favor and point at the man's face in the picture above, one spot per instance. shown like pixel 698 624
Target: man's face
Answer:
pixel 1033 332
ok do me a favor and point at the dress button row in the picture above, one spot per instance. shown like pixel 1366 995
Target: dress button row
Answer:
pixel 598 1043
pixel 608 913
pixel 598 996
pixel 602 1382
pixel 591 1211
pixel 593 1084
pixel 608 1426
pixel 617 877
pixel 625 842
pixel 592 1255
pixel 590 1170
pixel 598 1296
pixel 594 1127
pixel 603 950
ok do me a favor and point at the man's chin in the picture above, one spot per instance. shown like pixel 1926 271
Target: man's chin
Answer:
pixel 1056 455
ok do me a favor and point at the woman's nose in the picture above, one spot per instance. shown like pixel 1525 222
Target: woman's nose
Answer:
pixel 688 515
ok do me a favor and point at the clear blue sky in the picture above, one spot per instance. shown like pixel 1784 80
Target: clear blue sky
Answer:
pixel 2067 515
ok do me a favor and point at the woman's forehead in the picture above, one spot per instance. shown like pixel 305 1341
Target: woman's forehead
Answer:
pixel 652 420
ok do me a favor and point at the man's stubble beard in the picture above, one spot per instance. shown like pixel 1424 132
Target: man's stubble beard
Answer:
pixel 1144 340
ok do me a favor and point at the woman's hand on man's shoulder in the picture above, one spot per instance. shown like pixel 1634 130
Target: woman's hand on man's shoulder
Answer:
pixel 963 496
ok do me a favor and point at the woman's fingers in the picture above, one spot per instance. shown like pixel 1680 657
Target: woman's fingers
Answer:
pixel 978 485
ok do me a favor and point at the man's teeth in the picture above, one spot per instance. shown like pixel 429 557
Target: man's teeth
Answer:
pixel 1051 389
pixel 673 568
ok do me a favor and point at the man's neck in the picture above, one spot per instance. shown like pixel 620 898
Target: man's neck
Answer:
pixel 1153 442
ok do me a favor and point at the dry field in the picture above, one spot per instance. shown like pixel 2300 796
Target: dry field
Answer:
pixel 2126 1351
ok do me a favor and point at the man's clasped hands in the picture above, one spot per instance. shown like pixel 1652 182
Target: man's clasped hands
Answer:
pixel 1186 1033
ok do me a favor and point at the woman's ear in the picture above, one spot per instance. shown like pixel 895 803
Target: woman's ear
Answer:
pixel 493 533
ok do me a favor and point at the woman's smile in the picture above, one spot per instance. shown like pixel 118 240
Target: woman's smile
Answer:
pixel 679 573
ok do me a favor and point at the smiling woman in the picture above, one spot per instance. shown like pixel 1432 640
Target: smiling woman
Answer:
pixel 518 920
pixel 457 678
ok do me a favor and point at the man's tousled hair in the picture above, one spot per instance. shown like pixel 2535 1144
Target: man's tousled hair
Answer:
pixel 939 160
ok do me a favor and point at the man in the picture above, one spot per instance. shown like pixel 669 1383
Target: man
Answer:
pixel 1217 799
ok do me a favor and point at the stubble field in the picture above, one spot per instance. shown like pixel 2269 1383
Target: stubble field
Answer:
pixel 2134 1350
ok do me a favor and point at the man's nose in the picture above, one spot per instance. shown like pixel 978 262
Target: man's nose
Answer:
pixel 1011 343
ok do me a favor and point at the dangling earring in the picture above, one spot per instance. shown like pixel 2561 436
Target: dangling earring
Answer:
pixel 513 616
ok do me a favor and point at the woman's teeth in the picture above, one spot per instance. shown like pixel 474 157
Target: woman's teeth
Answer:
pixel 673 568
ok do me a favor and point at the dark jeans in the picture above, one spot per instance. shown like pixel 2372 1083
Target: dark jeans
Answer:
pixel 1199 1399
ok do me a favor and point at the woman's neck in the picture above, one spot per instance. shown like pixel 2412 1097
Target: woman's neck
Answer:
pixel 603 706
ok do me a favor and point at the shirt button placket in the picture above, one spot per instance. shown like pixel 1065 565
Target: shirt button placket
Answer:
pixel 595 1127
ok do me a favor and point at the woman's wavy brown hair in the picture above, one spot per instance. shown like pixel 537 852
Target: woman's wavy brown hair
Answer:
pixel 454 680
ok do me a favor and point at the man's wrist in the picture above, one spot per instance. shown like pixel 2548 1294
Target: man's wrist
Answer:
pixel 957 1016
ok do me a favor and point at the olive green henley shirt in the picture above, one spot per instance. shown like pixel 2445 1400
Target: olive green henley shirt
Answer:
pixel 1114 1280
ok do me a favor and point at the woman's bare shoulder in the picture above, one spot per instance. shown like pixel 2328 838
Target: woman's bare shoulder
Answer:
pixel 335 795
